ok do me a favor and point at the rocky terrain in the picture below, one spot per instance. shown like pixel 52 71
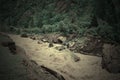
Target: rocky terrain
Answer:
pixel 68 64
pixel 16 65
pixel 60 39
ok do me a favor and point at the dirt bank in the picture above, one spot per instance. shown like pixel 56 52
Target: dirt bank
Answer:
pixel 88 68
pixel 19 66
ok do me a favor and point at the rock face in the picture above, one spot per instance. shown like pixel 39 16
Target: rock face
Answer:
pixel 111 58
pixel 93 45
pixel 11 45
pixel 6 41
pixel 87 45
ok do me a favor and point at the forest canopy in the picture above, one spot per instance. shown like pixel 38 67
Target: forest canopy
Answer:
pixel 96 17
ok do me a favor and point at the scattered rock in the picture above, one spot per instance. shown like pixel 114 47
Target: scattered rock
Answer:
pixel 60 48
pixel 75 57
pixel 44 40
pixel 33 37
pixel 54 38
pixel 61 39
pixel 111 58
pixel 50 38
pixel 51 45
pixel 24 35
pixel 39 42
pixel 70 44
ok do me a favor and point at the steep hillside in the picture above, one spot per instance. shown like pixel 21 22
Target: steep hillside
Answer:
pixel 67 16
pixel 40 13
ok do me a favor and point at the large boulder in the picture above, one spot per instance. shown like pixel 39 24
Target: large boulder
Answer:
pixel 93 45
pixel 111 58
pixel 50 45
pixel 61 39
pixel 44 40
pixel 87 45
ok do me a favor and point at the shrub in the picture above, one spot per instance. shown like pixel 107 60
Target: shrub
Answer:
pixel 106 31
pixel 35 30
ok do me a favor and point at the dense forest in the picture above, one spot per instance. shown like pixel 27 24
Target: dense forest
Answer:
pixel 96 17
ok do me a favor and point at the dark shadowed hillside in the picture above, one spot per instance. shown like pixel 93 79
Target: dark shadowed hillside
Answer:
pixel 97 17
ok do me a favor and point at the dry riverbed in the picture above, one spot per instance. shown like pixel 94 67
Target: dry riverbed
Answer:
pixel 88 68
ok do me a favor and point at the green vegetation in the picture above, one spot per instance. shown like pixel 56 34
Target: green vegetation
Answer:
pixel 96 17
